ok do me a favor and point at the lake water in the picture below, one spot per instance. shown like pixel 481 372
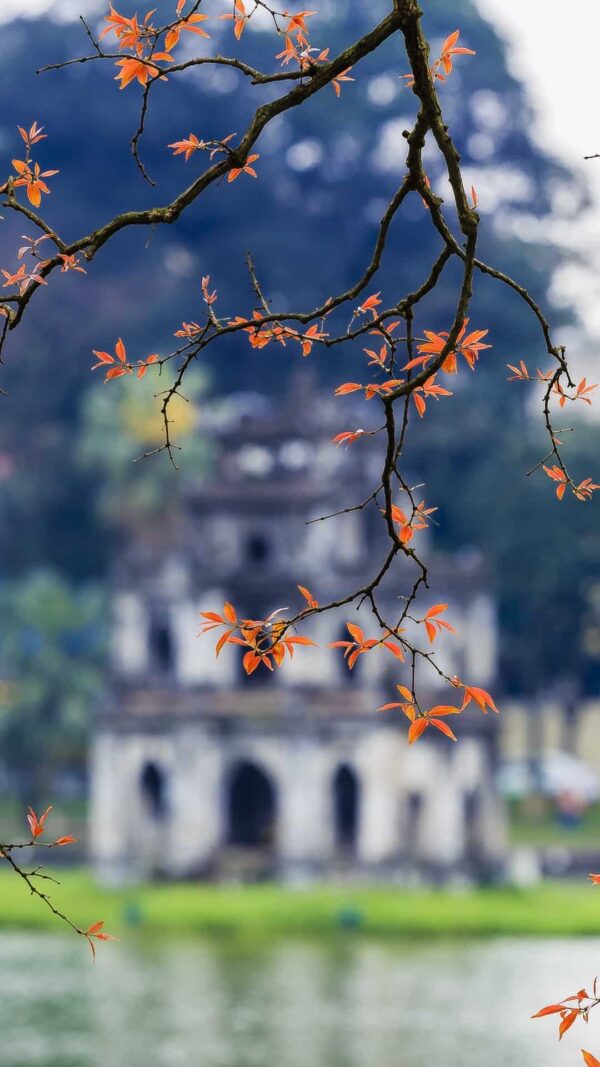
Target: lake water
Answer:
pixel 292 1004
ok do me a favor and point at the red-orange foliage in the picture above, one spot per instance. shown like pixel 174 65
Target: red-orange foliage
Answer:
pixel 402 369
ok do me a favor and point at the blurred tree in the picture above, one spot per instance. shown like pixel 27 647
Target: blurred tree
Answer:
pixel 546 559
pixel 45 712
pixel 117 429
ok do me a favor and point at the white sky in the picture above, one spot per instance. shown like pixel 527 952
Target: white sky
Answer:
pixel 558 62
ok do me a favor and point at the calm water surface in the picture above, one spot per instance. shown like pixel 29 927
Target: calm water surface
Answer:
pixel 293 1004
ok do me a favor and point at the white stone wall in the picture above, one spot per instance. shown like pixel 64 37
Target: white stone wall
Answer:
pixel 198 763
pixel 470 653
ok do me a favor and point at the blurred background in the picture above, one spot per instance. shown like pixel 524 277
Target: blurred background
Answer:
pixel 165 767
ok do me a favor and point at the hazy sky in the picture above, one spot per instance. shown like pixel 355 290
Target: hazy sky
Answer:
pixel 558 63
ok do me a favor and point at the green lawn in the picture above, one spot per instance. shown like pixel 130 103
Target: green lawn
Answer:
pixel 268 910
pixel 540 828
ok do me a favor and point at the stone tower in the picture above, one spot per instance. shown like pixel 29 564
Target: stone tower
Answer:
pixel 201 771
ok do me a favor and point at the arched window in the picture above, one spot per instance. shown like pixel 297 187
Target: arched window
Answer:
pixel 346 807
pixel 251 807
pixel 162 651
pixel 258 549
pixel 154 792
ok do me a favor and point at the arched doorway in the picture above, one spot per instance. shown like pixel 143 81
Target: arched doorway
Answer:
pixel 346 808
pixel 252 808
pixel 258 549
pixel 153 787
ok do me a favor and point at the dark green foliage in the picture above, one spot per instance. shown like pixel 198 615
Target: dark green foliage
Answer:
pixel 51 651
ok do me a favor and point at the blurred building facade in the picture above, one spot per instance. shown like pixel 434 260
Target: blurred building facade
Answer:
pixel 201 771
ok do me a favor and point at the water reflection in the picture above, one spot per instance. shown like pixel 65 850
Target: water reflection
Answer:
pixel 293 1004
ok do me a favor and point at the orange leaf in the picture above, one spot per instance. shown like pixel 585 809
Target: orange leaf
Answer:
pixel 550 1009
pixel 396 650
pixel 416 729
pixel 450 41
pixel 279 653
pixel 567 1023
pixel 555 472
pixel 371 301
pixel 444 709
pixel 437 609
pixel 347 387
pixel 37 826
pixel 480 696
pixel 443 727
pixel 223 640
pixel 356 633
pixel 419 404
pixel 310 600
pixel 250 662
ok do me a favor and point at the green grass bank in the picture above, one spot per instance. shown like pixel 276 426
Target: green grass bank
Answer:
pixel 265 911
